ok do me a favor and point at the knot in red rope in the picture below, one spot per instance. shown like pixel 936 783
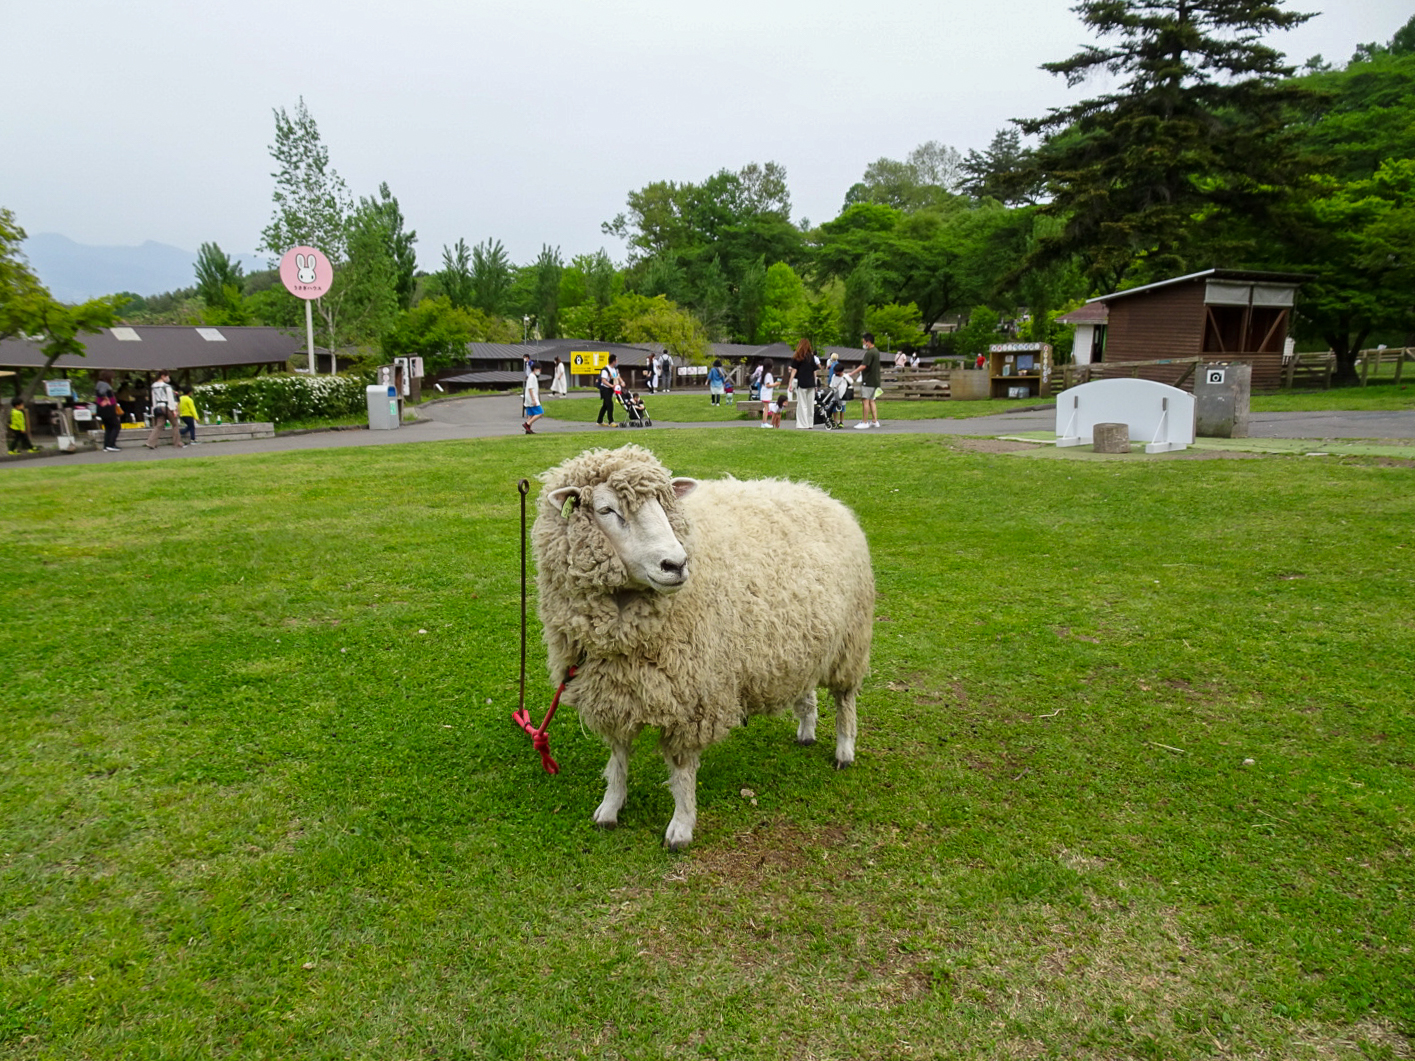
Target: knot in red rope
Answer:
pixel 540 739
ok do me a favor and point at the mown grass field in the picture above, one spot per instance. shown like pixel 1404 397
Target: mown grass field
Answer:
pixel 695 407
pixel 261 797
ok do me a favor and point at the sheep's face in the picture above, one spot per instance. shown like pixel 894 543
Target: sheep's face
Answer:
pixel 638 531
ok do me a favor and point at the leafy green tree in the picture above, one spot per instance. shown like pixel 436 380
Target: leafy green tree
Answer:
pixel 1002 172
pixel 490 277
pixel 981 331
pixel 714 300
pixel 400 243
pixel 930 175
pixel 819 321
pixel 751 300
pixel 1147 176
pixel 27 310
pixel 860 289
pixel 549 268
pixel 663 276
pixel 456 274
pixel 219 279
pixel 365 289
pixel 660 321
pixel 941 259
pixel 784 298
pixel 894 325
pixel 439 331
pixel 686 239
pixel 276 307
pixel 312 203
pixel 1364 113
pixel 1360 237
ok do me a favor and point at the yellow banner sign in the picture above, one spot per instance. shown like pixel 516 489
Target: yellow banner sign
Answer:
pixel 583 362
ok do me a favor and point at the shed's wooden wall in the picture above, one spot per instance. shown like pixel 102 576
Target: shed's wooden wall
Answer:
pixel 1169 322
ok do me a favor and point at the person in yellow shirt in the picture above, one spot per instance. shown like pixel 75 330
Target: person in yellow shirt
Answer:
pixel 19 429
pixel 187 413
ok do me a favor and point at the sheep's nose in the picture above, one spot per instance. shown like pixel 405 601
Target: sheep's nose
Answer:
pixel 672 568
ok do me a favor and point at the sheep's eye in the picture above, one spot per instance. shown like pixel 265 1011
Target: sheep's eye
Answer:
pixel 607 511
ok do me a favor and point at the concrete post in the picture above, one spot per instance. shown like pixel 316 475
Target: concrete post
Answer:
pixel 1221 400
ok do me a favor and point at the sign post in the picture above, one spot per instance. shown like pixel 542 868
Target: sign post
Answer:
pixel 307 274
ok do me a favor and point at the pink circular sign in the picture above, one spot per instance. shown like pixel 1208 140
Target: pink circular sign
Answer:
pixel 306 272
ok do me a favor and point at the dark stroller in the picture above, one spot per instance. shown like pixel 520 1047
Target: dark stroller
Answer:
pixel 827 405
pixel 634 410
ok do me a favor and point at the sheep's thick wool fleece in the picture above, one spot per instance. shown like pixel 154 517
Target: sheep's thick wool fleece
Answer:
pixel 779 601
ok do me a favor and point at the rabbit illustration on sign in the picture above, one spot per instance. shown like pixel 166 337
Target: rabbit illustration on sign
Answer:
pixel 304 267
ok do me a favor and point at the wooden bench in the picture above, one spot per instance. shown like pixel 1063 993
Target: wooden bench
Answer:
pixel 916 390
pixel 754 408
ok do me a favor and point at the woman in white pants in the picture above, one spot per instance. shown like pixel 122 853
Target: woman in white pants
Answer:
pixel 803 371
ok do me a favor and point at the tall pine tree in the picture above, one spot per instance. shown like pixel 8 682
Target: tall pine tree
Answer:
pixel 1180 166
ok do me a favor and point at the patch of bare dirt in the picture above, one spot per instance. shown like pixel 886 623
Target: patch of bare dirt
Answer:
pixel 992 445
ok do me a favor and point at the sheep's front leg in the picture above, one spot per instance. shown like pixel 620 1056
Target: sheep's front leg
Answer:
pixel 616 791
pixel 806 713
pixel 683 783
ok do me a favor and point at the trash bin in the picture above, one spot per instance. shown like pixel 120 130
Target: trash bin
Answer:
pixel 382 407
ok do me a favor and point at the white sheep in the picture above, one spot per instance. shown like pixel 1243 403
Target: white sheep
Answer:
pixel 692 606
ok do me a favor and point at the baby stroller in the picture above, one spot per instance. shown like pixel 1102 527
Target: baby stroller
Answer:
pixel 827 405
pixel 634 409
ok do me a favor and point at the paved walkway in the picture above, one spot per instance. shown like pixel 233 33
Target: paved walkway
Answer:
pixel 498 415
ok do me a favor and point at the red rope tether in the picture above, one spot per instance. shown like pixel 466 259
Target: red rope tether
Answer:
pixel 539 738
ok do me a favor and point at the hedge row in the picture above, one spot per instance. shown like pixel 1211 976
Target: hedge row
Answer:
pixel 280 399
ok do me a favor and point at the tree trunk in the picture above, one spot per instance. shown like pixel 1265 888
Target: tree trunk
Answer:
pixel 1346 347
pixel 33 385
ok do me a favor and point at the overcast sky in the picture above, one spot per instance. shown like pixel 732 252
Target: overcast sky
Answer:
pixel 524 120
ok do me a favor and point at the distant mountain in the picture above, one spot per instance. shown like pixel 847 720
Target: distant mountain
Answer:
pixel 74 272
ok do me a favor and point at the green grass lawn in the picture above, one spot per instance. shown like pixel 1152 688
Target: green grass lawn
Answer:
pixel 695 407
pixel 1376 397
pixel 1135 775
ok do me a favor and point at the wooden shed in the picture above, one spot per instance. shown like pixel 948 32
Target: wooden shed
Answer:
pixel 1214 315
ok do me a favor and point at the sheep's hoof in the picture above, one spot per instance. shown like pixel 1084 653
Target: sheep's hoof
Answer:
pixel 677 837
pixel 611 824
pixel 844 764
pixel 805 743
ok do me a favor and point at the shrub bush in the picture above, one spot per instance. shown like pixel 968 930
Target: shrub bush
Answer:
pixel 281 399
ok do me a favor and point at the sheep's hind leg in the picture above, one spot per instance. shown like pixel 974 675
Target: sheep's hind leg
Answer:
pixel 845 728
pixel 683 783
pixel 807 714
pixel 617 789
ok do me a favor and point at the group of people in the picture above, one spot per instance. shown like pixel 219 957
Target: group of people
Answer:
pixel 165 405
pixel 801 375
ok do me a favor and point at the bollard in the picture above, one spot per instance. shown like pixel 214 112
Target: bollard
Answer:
pixel 1111 438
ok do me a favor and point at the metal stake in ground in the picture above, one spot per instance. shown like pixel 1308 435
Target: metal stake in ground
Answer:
pixel 521 716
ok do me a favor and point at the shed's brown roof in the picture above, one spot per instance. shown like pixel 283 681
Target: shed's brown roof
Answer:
pixel 147 348
pixel 1089 313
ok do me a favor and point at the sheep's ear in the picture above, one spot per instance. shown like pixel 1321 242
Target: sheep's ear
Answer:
pixel 566 499
pixel 683 487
